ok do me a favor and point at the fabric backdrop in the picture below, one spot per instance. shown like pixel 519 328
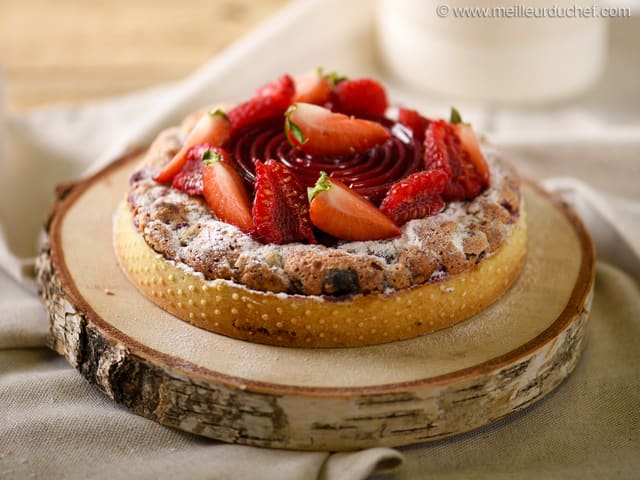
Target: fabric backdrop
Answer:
pixel 55 425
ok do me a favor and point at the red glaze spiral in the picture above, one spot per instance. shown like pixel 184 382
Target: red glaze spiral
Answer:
pixel 371 173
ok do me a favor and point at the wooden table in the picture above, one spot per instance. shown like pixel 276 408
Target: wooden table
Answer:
pixel 74 50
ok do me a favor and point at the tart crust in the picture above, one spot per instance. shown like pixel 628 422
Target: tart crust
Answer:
pixel 231 309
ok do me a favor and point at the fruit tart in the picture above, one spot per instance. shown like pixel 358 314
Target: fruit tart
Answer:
pixel 313 215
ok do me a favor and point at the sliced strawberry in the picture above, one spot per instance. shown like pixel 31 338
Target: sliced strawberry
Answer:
pixel 318 131
pixel 414 121
pixel 416 196
pixel 225 191
pixel 360 97
pixel 189 179
pixel 280 208
pixel 470 143
pixel 269 101
pixel 212 128
pixel 343 213
pixel 453 148
pixel 440 143
pixel 313 87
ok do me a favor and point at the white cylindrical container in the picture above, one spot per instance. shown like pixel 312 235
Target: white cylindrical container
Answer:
pixel 498 55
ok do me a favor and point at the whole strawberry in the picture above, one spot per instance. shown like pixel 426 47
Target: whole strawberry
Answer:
pixel 362 97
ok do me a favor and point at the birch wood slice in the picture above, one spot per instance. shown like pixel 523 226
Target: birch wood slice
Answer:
pixel 498 362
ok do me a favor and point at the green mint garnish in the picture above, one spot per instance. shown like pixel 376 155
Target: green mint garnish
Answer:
pixel 322 185
pixel 210 157
pixel 293 129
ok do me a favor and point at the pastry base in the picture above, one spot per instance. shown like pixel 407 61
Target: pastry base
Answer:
pixel 224 307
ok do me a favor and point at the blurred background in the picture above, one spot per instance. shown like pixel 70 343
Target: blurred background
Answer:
pixel 73 50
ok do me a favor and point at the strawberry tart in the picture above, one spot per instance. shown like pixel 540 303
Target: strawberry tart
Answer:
pixel 314 215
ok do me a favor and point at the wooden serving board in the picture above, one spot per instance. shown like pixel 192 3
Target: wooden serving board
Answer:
pixel 498 362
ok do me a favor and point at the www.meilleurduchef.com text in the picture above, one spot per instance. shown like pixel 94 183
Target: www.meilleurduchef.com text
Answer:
pixel 527 11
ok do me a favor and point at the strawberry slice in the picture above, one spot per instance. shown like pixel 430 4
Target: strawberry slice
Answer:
pixel 470 143
pixel 225 191
pixel 453 148
pixel 212 129
pixel 343 213
pixel 414 121
pixel 280 209
pixel 314 87
pixel 416 196
pixel 189 179
pixel 318 131
pixel 360 97
pixel 269 101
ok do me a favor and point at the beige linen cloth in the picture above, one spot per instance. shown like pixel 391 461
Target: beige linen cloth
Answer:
pixel 53 424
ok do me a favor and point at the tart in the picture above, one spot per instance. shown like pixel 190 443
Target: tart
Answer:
pixel 310 216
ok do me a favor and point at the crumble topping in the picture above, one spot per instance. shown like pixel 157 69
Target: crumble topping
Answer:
pixel 183 228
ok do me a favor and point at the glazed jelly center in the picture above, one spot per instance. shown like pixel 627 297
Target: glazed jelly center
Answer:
pixel 370 173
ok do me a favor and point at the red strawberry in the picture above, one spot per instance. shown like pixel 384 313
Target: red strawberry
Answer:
pixel 189 179
pixel 343 213
pixel 313 87
pixel 318 131
pixel 414 121
pixel 269 101
pixel 225 191
pixel 212 128
pixel 280 209
pixel 470 143
pixel 453 148
pixel 440 142
pixel 360 97
pixel 416 196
